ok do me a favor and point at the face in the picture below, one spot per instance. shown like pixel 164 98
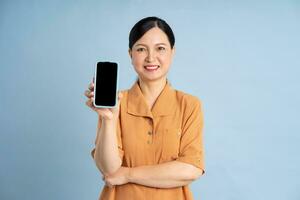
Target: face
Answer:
pixel 152 55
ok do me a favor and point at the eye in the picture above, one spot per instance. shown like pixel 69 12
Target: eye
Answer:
pixel 161 48
pixel 141 49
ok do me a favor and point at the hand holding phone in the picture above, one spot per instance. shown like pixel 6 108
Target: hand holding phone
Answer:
pixel 103 110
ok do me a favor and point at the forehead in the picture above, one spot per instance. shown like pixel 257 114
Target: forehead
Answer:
pixel 153 36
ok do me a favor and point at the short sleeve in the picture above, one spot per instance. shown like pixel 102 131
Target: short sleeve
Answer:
pixel 191 149
pixel 119 140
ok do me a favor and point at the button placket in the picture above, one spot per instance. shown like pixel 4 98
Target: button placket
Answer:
pixel 150 137
pixel 150 132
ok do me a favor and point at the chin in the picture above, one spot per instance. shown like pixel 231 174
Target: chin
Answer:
pixel 152 78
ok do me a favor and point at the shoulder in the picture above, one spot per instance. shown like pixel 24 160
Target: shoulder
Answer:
pixel 190 107
pixel 124 95
pixel 124 92
pixel 188 101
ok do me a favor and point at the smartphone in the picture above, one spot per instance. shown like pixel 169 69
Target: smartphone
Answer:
pixel 106 85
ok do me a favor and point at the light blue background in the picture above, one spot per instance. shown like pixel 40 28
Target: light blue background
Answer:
pixel 241 58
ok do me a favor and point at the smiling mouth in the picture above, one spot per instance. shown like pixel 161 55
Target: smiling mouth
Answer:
pixel 151 67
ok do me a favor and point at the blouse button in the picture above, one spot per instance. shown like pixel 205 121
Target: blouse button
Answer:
pixel 149 133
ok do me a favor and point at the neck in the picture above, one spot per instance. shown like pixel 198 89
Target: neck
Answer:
pixel 151 90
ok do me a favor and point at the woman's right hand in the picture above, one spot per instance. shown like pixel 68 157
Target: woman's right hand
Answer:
pixel 104 113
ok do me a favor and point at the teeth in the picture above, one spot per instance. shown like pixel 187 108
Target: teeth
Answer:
pixel 151 67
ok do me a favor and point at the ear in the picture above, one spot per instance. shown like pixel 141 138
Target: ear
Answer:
pixel 173 51
pixel 130 53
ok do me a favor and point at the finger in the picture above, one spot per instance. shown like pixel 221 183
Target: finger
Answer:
pixel 91 86
pixel 89 103
pixel 86 93
pixel 92 94
pixel 89 93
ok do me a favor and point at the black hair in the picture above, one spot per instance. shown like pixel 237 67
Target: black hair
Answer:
pixel 145 24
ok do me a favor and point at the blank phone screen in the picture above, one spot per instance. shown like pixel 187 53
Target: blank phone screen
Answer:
pixel 106 84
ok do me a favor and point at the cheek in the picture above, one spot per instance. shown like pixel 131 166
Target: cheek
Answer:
pixel 137 59
pixel 166 59
pixel 134 61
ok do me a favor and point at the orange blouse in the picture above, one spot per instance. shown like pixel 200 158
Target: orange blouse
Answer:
pixel 172 130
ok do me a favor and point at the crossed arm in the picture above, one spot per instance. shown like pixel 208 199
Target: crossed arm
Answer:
pixel 166 175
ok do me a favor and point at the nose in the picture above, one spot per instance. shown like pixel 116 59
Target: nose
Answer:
pixel 150 57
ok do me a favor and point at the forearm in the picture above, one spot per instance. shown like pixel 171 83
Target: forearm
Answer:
pixel 166 175
pixel 106 153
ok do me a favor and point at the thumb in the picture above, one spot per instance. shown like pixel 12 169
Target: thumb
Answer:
pixel 120 95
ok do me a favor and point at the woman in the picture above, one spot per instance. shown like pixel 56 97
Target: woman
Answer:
pixel 150 145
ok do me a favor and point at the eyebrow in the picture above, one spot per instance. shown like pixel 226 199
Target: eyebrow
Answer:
pixel 141 44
